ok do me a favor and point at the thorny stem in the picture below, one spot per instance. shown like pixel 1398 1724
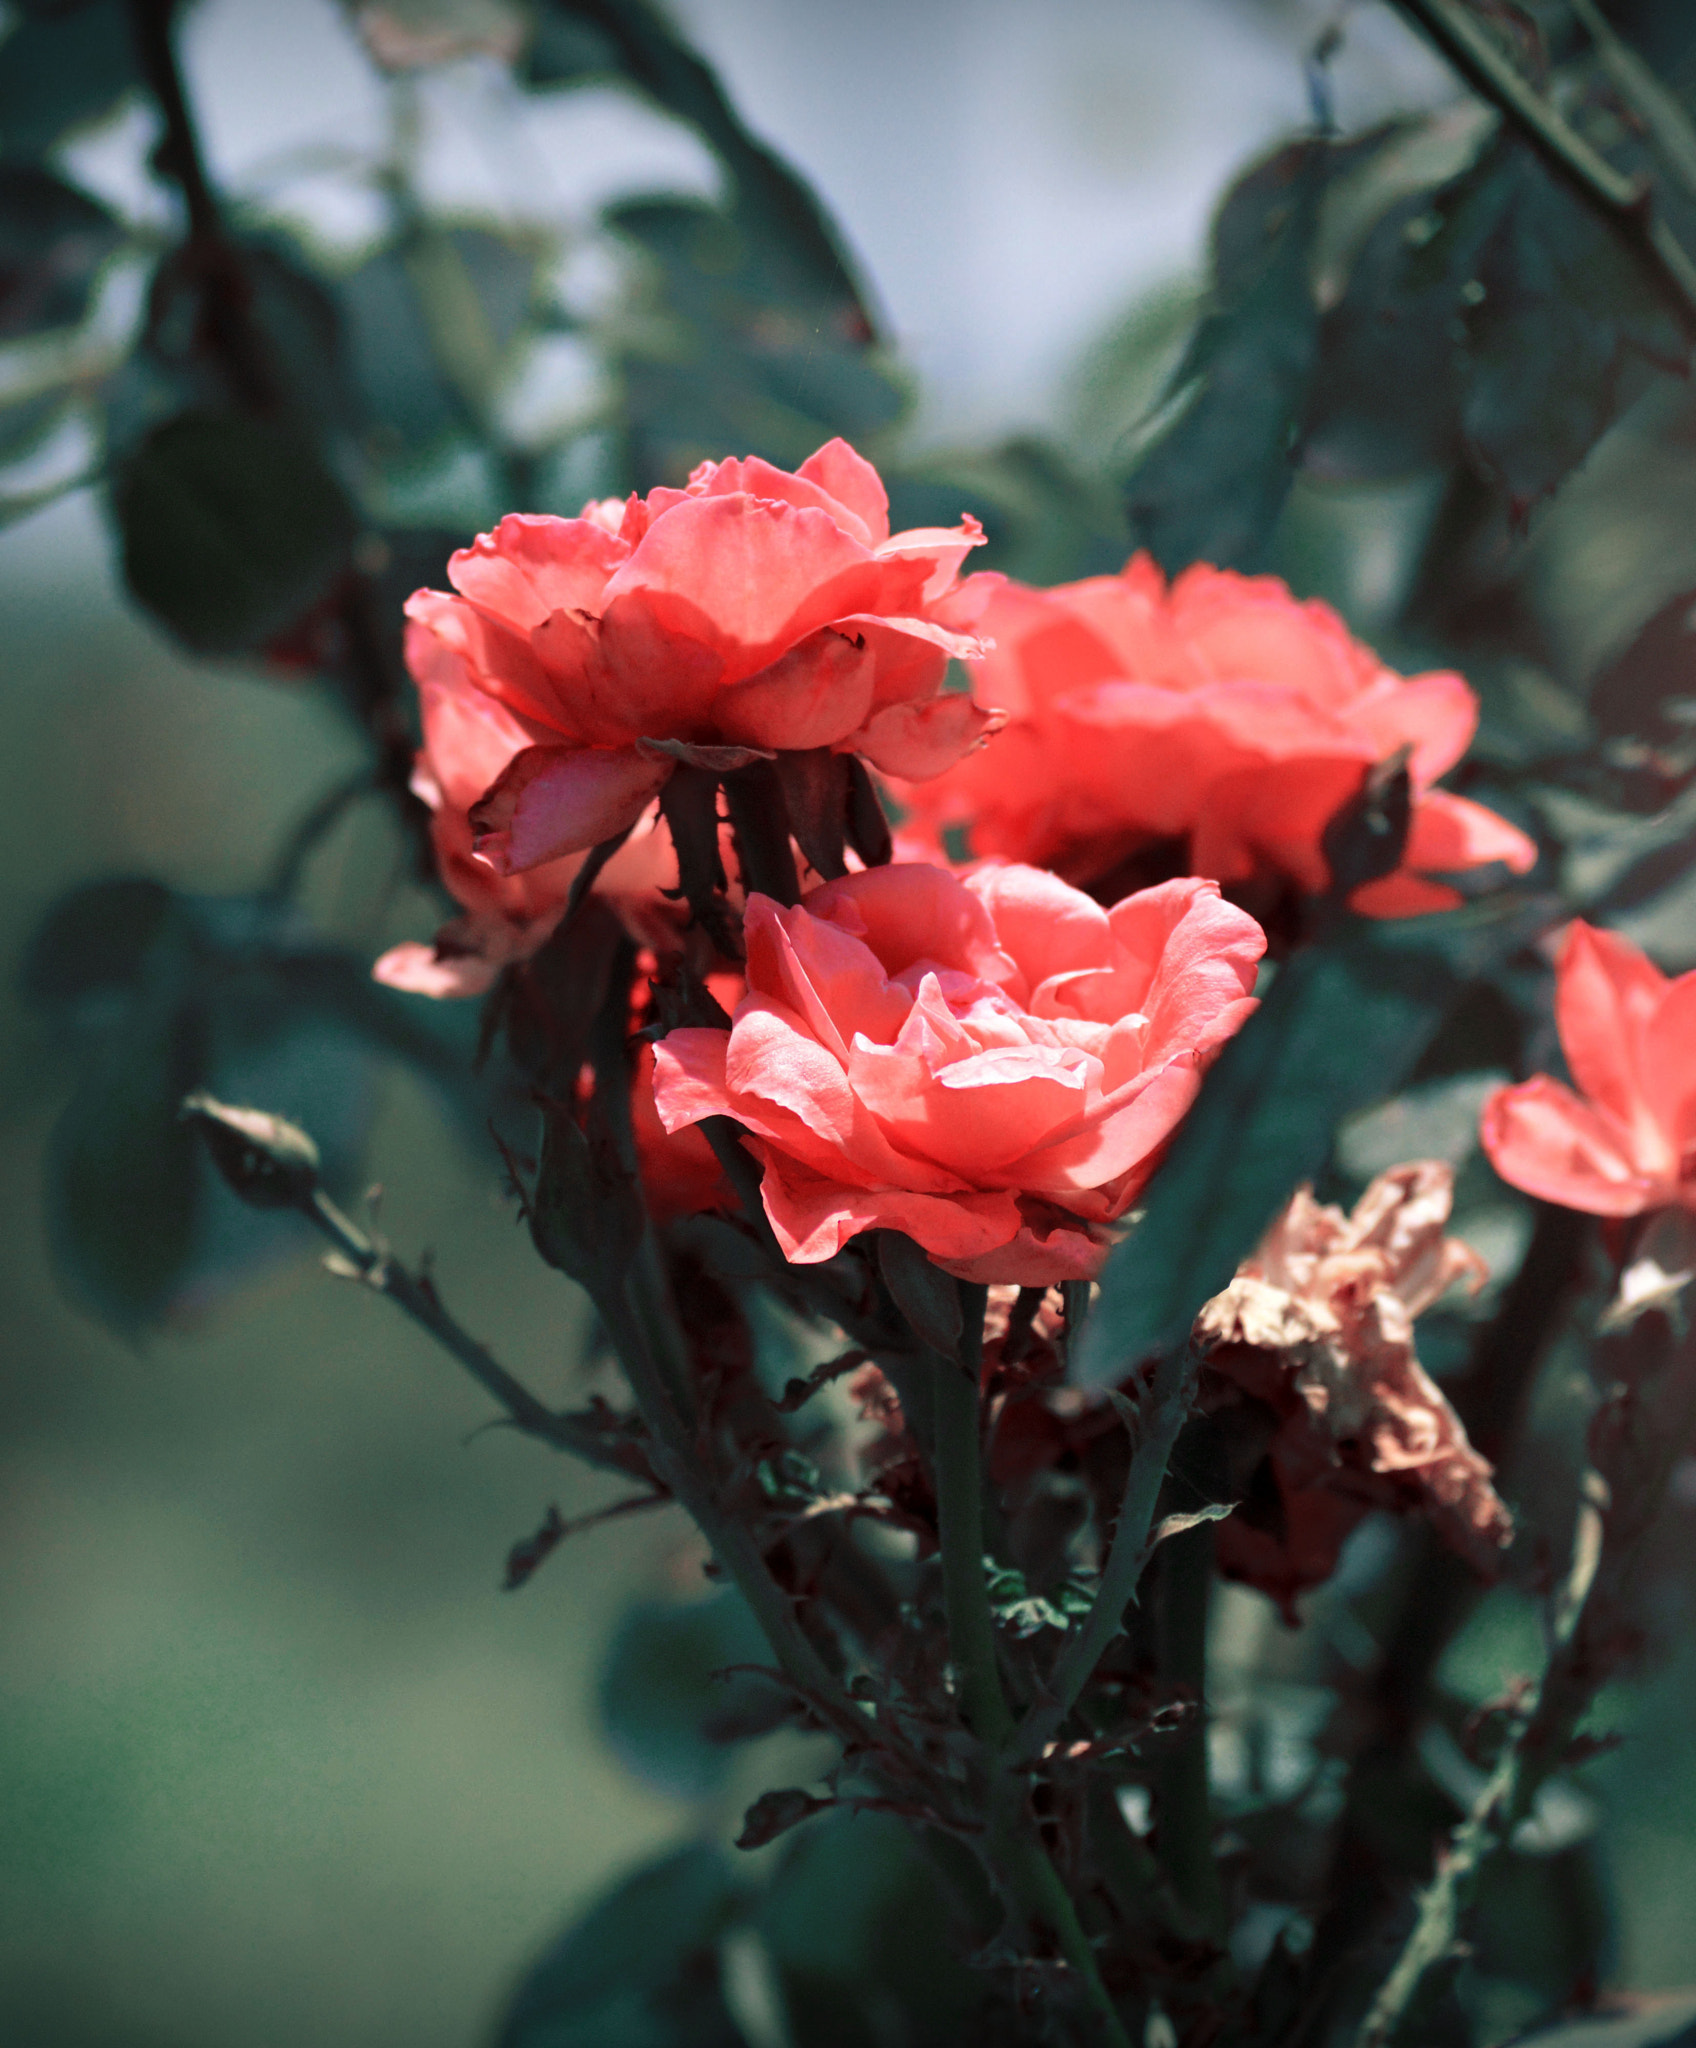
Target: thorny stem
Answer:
pixel 959 1505
pixel 1022 1865
pixel 677 1460
pixel 1657 108
pixel 1614 1520
pixel 1625 203
pixel 1127 1556
pixel 363 1258
pixel 1182 1791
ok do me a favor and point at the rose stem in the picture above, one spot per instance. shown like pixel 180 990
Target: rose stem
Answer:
pixel 1617 1511
pixel 1022 1863
pixel 677 1461
pixel 1163 1417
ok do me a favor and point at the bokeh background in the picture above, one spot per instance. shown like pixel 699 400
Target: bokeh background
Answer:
pixel 278 1760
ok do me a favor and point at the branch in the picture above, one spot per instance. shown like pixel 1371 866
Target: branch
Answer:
pixel 959 1505
pixel 1616 1513
pixel 1169 1404
pixel 1626 203
pixel 359 1257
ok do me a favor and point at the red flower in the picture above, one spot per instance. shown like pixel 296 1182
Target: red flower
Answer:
pixel 469 739
pixel 990 1064
pixel 1311 1350
pixel 1219 710
pixel 1625 1141
pixel 754 608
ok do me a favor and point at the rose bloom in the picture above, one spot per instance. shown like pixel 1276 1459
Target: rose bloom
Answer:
pixel 469 737
pixel 1623 1142
pixel 991 1064
pixel 1310 1367
pixel 1218 711
pixel 753 608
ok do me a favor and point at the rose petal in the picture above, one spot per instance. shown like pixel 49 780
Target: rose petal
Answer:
pixel 809 697
pixel 551 801
pixel 1549 1142
pixel 920 740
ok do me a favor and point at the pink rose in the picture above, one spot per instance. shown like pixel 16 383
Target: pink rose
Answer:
pixel 991 1064
pixel 1625 1141
pixel 1218 711
pixel 752 609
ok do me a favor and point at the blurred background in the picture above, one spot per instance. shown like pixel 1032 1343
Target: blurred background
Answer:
pixel 278 1759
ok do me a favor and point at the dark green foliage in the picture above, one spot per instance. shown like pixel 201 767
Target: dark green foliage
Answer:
pixel 665 1711
pixel 1562 327
pixel 1342 1027
pixel 60 68
pixel 230 527
pixel 859 1921
pixel 1498 315
pixel 1213 483
pixel 53 240
pixel 640 1969
pixel 155 995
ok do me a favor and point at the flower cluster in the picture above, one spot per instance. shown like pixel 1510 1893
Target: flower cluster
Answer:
pixel 989 1060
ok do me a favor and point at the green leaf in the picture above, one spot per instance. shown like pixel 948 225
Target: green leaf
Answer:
pixel 60 69
pixel 860 1928
pixel 1562 329
pixel 925 1295
pixel 640 1969
pixel 157 994
pixel 124 1194
pixel 230 527
pixel 1342 1027
pixel 53 241
pixel 660 1699
pixel 1211 486
pixel 806 258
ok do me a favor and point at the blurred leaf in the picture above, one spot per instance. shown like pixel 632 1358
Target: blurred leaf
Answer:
pixel 659 1698
pixel 1211 486
pixel 1341 1027
pixel 402 387
pixel 1649 691
pixel 861 1928
pixel 53 241
pixel 640 1969
pixel 724 358
pixel 802 255
pixel 158 994
pixel 1044 519
pixel 59 69
pixel 124 1180
pixel 1562 329
pixel 230 527
pixel 1662 2020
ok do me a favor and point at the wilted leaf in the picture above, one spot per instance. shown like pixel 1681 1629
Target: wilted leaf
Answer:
pixel 230 527
pixel 659 1696
pixel 53 240
pixel 640 1969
